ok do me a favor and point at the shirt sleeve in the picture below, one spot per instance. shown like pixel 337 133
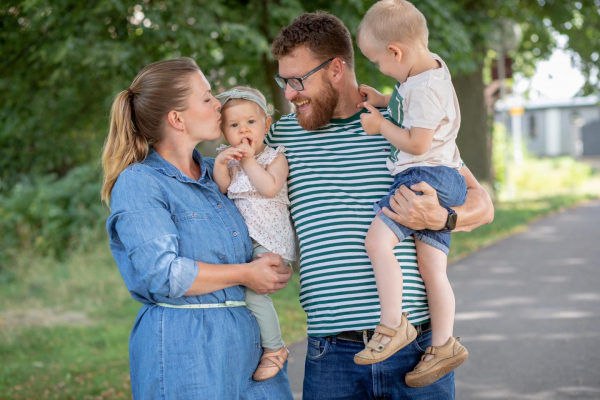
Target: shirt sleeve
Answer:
pixel 141 221
pixel 269 136
pixel 425 109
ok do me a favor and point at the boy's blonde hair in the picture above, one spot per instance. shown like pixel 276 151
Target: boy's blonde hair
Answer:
pixel 389 21
pixel 245 89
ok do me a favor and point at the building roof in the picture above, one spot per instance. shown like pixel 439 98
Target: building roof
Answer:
pixel 539 104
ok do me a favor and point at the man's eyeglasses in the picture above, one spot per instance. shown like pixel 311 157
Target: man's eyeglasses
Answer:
pixel 296 83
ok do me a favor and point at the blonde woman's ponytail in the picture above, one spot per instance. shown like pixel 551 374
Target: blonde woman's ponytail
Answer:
pixel 123 146
pixel 138 113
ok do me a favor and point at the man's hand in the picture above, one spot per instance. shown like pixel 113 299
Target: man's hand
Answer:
pixel 373 97
pixel 246 147
pixel 371 122
pixel 268 274
pixel 230 153
pixel 417 212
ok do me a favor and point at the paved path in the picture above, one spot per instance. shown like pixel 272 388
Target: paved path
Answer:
pixel 528 310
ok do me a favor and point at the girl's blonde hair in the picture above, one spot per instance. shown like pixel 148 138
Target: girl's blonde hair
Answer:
pixel 389 21
pixel 137 115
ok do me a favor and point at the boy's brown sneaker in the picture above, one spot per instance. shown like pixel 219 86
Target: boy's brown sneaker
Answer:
pixel 446 358
pixel 376 352
pixel 270 363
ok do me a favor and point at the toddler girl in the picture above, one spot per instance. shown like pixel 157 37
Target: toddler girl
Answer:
pixel 254 176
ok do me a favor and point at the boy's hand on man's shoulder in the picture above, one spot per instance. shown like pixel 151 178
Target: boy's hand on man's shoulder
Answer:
pixel 371 122
pixel 373 96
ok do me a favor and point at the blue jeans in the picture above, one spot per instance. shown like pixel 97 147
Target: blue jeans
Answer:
pixel 330 373
pixel 451 191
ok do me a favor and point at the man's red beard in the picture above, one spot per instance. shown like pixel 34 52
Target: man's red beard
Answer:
pixel 322 107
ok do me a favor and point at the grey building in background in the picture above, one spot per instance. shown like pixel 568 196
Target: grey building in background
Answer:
pixel 559 127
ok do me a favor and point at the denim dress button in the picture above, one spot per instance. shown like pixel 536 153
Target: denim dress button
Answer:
pixel 234 233
pixel 194 215
pixel 219 206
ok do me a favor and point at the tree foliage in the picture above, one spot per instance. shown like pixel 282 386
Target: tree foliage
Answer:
pixel 64 60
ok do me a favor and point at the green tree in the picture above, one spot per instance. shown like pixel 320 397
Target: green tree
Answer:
pixel 64 60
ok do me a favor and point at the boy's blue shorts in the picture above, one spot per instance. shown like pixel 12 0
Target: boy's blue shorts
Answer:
pixel 451 190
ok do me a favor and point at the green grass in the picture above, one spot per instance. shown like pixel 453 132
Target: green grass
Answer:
pixel 64 326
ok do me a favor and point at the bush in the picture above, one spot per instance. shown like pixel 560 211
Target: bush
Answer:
pixel 536 177
pixel 51 215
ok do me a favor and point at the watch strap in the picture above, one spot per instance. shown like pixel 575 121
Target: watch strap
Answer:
pixel 447 229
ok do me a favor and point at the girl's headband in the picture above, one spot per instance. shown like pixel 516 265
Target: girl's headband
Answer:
pixel 244 95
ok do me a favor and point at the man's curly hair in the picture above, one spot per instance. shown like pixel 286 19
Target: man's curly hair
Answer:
pixel 322 33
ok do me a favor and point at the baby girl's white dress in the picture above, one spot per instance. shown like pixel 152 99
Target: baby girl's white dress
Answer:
pixel 268 219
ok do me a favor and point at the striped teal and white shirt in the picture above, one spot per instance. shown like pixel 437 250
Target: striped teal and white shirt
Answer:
pixel 336 174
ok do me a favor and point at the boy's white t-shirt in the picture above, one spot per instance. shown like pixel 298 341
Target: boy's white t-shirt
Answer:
pixel 427 100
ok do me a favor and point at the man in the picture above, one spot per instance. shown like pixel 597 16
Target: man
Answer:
pixel 336 174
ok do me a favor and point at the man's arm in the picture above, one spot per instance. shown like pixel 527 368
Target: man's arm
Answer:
pixel 425 212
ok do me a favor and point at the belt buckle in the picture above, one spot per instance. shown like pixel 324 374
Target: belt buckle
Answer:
pixel 365 337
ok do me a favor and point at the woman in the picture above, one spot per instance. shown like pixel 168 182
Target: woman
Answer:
pixel 181 246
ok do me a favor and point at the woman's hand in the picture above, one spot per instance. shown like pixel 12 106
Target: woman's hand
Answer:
pixel 230 153
pixel 268 274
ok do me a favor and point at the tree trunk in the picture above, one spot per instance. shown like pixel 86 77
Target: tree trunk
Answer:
pixel 474 138
pixel 271 67
pixel 281 104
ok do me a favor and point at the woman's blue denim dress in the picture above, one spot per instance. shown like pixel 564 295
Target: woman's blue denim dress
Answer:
pixel 161 222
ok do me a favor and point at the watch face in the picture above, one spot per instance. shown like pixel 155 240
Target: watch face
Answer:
pixel 452 218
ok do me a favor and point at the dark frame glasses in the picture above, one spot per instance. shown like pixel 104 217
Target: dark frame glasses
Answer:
pixel 296 83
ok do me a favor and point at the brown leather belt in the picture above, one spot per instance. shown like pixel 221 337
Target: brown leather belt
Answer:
pixel 365 335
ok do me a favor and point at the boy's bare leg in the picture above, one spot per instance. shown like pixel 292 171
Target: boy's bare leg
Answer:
pixel 432 266
pixel 380 243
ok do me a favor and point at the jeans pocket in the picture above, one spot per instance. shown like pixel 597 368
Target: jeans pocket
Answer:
pixel 422 341
pixel 317 348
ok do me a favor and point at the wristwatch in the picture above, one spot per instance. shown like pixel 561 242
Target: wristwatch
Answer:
pixel 451 221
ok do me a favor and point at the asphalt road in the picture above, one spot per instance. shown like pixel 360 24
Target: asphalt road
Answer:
pixel 528 310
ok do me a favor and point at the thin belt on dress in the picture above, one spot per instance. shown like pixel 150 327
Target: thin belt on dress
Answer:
pixel 228 303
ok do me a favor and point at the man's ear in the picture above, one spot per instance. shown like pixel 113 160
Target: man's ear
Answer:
pixel 337 69
pixel 175 119
pixel 396 51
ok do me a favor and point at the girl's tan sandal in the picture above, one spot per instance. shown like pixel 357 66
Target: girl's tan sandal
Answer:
pixel 270 364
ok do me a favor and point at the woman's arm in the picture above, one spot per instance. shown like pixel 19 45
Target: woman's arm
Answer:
pixel 267 274
pixel 425 212
pixel 267 181
pixel 142 224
